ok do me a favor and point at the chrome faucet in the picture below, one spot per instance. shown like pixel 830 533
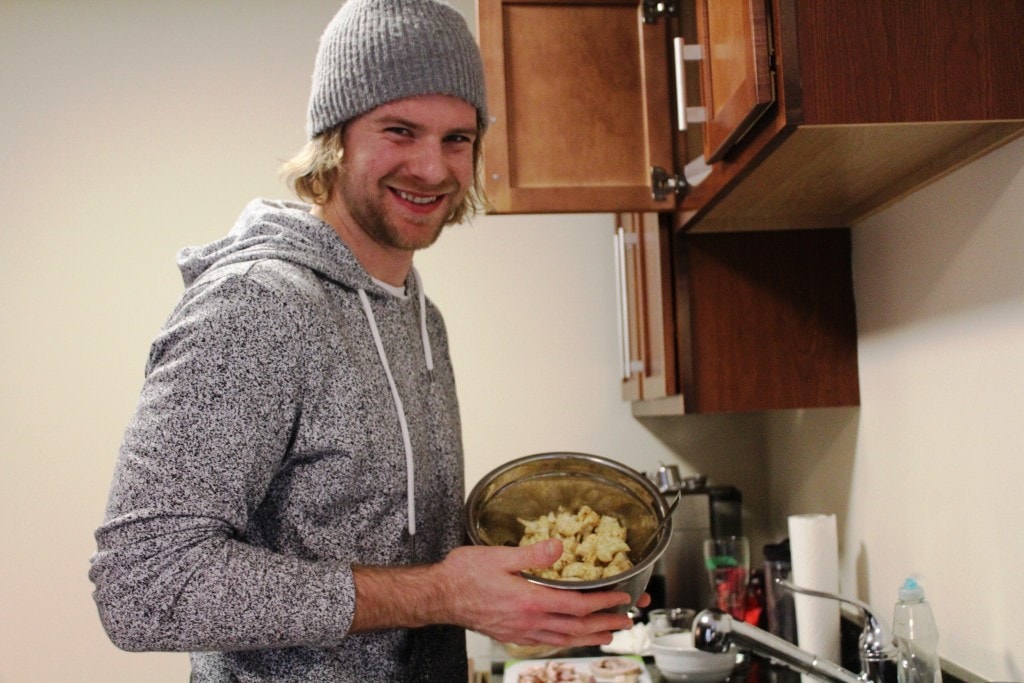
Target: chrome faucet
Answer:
pixel 714 631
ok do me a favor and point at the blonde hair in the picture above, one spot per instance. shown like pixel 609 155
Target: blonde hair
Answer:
pixel 313 172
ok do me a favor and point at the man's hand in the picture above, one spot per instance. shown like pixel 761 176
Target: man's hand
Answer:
pixel 481 589
pixel 485 593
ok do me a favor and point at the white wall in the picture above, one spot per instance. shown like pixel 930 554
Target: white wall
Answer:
pixel 130 129
pixel 925 477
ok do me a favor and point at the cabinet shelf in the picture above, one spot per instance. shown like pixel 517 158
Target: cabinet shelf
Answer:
pixel 838 175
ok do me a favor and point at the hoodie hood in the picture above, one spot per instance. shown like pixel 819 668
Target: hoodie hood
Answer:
pixel 283 230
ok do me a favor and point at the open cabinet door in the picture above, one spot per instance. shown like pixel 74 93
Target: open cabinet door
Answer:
pixel 578 93
pixel 736 77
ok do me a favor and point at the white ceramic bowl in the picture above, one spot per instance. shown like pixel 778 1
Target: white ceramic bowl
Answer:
pixel 678 660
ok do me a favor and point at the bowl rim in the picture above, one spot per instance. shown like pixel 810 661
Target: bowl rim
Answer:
pixel 690 655
pixel 661 511
pixel 659 641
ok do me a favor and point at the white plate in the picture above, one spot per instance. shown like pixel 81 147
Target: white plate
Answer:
pixel 581 664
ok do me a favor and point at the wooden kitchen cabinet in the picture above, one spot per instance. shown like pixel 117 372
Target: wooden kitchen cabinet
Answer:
pixel 736 322
pixel 864 102
pixel 764 321
pixel 577 94
pixel 874 100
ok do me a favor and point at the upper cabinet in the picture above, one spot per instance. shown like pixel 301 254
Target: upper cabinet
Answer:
pixel 742 114
pixel 734 322
pixel 578 95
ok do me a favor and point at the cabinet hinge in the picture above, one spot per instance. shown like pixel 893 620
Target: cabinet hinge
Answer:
pixel 663 183
pixel 656 9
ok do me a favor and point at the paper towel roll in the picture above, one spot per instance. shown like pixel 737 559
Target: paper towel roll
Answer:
pixel 814 547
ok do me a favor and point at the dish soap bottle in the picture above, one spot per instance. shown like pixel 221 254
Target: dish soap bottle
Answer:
pixel 917 637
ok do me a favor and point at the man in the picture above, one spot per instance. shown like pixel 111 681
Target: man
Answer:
pixel 287 500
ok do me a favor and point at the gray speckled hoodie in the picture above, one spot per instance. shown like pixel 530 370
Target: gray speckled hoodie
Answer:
pixel 266 457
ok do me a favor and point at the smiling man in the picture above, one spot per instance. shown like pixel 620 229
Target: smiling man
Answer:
pixel 287 501
pixel 407 167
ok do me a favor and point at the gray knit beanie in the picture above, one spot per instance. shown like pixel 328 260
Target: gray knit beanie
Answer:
pixel 377 51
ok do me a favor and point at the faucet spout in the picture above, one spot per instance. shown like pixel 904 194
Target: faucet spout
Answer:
pixel 875 646
pixel 714 631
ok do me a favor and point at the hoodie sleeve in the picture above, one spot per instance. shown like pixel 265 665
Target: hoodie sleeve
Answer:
pixel 172 570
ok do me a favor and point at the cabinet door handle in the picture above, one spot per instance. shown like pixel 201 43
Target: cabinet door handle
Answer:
pixel 629 364
pixel 685 53
pixel 621 304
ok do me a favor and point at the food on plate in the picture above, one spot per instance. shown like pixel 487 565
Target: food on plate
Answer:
pixel 554 671
pixel 590 670
pixel 616 670
pixel 593 546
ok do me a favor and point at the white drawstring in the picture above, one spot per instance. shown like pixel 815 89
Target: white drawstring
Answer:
pixel 427 353
pixel 410 466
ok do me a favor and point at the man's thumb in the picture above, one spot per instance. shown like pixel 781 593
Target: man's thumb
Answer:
pixel 543 554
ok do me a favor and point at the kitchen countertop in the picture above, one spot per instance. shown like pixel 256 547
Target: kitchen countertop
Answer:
pixel 758 672
pixel 754 669
pixel 750 670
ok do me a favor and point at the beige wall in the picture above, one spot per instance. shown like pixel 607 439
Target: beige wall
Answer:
pixel 925 477
pixel 130 129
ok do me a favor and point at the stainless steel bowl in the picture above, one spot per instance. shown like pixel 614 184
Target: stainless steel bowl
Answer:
pixel 535 485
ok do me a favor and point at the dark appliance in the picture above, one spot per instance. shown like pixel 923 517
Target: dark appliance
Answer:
pixel 680 578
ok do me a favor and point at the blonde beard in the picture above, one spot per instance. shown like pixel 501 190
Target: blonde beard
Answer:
pixel 372 220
